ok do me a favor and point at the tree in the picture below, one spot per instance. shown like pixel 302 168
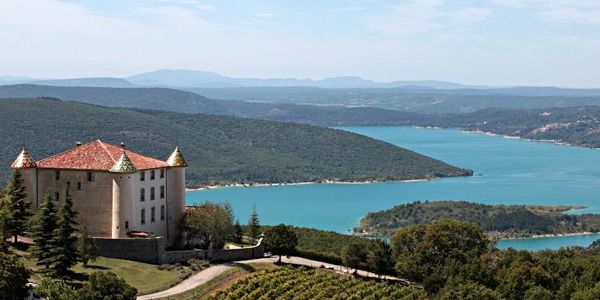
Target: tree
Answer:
pixel 4 225
pixel 253 225
pixel 64 253
pixel 106 286
pixel 88 251
pixel 13 277
pixel 238 232
pixel 281 240
pixel 208 225
pixel 468 290
pixel 540 293
pixel 17 204
pixel 353 255
pixel 379 257
pixel 43 225
pixel 434 253
pixel 55 290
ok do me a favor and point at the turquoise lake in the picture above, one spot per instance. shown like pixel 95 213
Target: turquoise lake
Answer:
pixel 508 171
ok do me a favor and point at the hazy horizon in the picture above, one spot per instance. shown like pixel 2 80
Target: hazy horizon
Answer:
pixel 494 43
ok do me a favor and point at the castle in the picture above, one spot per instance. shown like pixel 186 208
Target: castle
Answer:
pixel 115 191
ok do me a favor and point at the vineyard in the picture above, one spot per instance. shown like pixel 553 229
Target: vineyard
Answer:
pixel 301 283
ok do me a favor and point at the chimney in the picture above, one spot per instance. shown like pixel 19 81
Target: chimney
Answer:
pixel 77 144
pixel 123 145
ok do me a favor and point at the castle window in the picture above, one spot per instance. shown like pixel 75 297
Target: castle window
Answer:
pixel 142 176
pixel 56 196
pixel 126 224
pixel 79 186
pixel 143 216
pixel 162 212
pixel 56 175
pixel 152 174
pixel 162 173
pixel 152 213
pixel 142 195
pixel 91 176
pixel 152 193
pixel 162 192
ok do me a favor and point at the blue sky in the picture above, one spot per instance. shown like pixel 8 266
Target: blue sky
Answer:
pixel 496 42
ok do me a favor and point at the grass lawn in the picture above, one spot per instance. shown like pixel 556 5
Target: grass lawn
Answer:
pixel 222 281
pixel 147 278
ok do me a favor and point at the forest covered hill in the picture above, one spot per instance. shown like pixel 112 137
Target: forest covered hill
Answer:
pixel 573 125
pixel 219 149
pixel 168 99
pixel 578 125
pixel 499 220
pixel 415 99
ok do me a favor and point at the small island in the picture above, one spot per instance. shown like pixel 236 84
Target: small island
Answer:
pixel 499 221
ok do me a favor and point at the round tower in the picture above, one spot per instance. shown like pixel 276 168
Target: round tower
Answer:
pixel 28 169
pixel 175 193
pixel 122 195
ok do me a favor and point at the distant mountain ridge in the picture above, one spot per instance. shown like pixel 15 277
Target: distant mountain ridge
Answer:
pixel 190 78
pixel 205 79
pixel 86 82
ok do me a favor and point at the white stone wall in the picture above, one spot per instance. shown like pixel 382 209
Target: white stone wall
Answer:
pixel 93 203
pixel 158 226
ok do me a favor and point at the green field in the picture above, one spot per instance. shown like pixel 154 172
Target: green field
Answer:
pixel 147 278
pixel 301 283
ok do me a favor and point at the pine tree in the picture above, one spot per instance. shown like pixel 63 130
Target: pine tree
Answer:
pixel 15 198
pixel 238 233
pixel 64 253
pixel 42 228
pixel 253 225
pixel 4 224
pixel 88 251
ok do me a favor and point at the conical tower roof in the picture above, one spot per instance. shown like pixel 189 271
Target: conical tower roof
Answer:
pixel 176 159
pixel 24 161
pixel 123 165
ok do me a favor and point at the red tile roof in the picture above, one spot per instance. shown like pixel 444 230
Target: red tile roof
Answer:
pixel 99 156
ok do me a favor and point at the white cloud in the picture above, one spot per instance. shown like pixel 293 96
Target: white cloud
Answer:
pixel 425 16
pixel 200 5
pixel 572 15
pixel 561 11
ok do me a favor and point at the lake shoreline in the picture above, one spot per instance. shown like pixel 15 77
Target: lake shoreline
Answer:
pixel 222 186
pixel 549 235
pixel 514 137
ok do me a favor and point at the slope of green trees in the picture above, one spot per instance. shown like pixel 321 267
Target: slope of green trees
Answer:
pixel 573 125
pixel 500 220
pixel 417 99
pixel 218 149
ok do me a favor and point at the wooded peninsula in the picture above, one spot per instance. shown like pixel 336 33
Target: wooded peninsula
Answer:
pixel 499 221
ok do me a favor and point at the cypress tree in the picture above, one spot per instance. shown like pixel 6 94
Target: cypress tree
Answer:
pixel 64 253
pixel 17 204
pixel 88 251
pixel 42 229
pixel 238 233
pixel 253 225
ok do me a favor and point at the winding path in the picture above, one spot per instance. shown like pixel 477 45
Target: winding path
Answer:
pixel 214 271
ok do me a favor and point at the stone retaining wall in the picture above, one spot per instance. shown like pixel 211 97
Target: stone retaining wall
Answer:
pixel 145 250
pixel 152 250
